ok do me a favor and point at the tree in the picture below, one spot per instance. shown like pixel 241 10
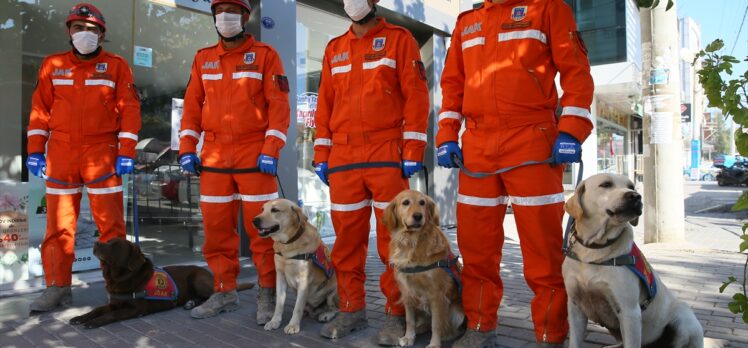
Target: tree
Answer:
pixel 731 97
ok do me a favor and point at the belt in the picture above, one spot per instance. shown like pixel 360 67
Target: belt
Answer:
pixel 87 139
pixel 363 138
pixel 228 138
pixel 509 121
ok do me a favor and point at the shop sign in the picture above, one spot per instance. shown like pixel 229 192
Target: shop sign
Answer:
pixel 200 5
pixel 306 107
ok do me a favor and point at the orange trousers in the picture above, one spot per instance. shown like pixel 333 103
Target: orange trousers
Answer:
pixel 221 195
pixel 536 195
pixel 77 163
pixel 353 193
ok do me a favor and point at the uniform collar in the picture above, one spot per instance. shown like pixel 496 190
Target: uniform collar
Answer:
pixel 77 61
pixel 380 25
pixel 247 44
pixel 489 3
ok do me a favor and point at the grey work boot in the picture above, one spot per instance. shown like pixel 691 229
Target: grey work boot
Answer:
pixel 51 298
pixel 475 339
pixel 391 331
pixel 344 323
pixel 218 303
pixel 265 305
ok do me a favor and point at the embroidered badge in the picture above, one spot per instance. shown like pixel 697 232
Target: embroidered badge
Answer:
pixel 322 261
pixel 519 13
pixel 249 58
pixel 643 271
pixel 101 67
pixel 378 43
pixel 161 286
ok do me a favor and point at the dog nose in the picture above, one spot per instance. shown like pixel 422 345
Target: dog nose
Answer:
pixel 632 196
pixel 257 221
pixel 417 216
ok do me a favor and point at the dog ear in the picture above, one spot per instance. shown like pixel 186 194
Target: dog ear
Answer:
pixel 303 219
pixel 389 217
pixel 574 205
pixel 432 211
pixel 136 258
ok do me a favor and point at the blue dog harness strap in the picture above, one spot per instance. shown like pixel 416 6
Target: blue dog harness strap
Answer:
pixel 644 272
pixel 319 258
pixel 449 265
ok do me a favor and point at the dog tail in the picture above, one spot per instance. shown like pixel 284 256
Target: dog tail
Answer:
pixel 244 286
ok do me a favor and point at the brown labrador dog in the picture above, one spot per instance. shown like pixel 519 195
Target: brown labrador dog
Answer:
pixel 135 288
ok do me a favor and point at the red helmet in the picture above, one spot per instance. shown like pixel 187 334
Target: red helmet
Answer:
pixel 242 3
pixel 88 13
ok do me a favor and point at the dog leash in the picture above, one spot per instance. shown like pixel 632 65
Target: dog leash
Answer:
pixel 369 165
pixel 77 184
pixel 580 173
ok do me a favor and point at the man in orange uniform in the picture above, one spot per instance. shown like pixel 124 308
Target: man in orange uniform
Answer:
pixel 86 111
pixel 373 107
pixel 499 78
pixel 237 97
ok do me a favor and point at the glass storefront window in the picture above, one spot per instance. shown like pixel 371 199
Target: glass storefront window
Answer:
pixel 314 29
pixel 603 28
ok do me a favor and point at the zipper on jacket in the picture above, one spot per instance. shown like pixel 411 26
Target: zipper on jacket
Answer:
pixel 537 82
pixel 54 270
pixel 480 301
pixel 547 310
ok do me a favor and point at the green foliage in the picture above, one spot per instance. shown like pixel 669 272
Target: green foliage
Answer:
pixel 731 97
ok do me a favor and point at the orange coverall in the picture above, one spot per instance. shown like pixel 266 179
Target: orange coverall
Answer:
pixel 86 113
pixel 239 99
pixel 499 79
pixel 373 106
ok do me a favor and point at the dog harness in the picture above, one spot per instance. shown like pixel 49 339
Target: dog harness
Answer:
pixel 449 265
pixel 319 258
pixel 637 263
pixel 161 287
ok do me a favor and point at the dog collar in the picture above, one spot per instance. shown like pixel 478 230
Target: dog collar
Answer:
pixel 296 236
pixel 607 243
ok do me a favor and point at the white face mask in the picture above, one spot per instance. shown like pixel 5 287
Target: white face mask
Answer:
pixel 85 41
pixel 229 24
pixel 356 9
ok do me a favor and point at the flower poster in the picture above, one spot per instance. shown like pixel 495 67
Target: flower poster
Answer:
pixel 14 232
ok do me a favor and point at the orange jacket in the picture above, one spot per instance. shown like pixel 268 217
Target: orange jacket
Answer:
pixel 236 94
pixel 83 102
pixel 501 67
pixel 372 85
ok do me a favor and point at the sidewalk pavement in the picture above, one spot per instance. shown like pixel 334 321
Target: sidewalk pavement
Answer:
pixel 693 274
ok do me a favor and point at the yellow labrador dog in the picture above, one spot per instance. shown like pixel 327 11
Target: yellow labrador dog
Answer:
pixel 426 270
pixel 302 261
pixel 609 281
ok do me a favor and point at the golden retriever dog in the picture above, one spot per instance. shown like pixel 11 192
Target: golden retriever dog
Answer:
pixel 609 281
pixel 426 270
pixel 301 262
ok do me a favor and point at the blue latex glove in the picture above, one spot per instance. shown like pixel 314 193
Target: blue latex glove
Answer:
pixel 411 167
pixel 321 170
pixel 567 149
pixel 125 165
pixel 189 163
pixel 36 164
pixel 445 152
pixel 267 164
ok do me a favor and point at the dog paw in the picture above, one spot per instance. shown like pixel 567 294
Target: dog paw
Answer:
pixel 189 305
pixel 327 316
pixel 292 329
pixel 76 320
pixel 407 341
pixel 272 324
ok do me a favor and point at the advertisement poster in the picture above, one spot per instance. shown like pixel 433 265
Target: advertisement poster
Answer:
pixel 143 56
pixel 177 107
pixel 14 232
pixel 306 107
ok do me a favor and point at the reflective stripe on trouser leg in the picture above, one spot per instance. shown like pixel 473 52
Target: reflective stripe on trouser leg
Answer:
pixel 385 184
pixel 58 247
pixel 221 246
pixel 255 190
pixel 481 205
pixel 538 209
pixel 351 211
pixel 107 208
